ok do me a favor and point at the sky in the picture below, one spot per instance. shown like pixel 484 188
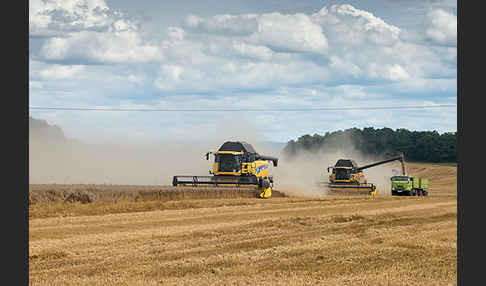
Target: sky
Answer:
pixel 250 55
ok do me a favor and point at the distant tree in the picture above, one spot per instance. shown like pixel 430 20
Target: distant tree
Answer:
pixel 426 146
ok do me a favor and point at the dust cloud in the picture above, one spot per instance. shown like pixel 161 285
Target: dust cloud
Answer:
pixel 132 162
pixel 121 164
pixel 301 174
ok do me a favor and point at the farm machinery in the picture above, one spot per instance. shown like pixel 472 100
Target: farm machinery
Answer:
pixel 409 186
pixel 236 164
pixel 348 178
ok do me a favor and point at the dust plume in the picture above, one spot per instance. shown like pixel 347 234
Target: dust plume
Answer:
pixel 300 174
pixel 132 161
pixel 124 163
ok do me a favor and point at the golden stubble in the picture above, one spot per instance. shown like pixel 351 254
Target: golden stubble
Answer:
pixel 329 240
pixel 333 240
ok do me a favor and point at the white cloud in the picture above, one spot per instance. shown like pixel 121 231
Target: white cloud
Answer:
pixel 58 17
pixel 252 51
pixel 352 92
pixel 289 33
pixel 174 77
pixel 87 31
pixel 174 72
pixel 344 67
pixel 396 72
pixel 346 24
pixel 102 48
pixel 426 85
pixel 60 71
pixel 441 27
pixel 340 43
pixel 338 56
pixel 175 34
pixel 223 24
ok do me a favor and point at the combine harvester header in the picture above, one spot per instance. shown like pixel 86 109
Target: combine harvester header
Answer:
pixel 235 164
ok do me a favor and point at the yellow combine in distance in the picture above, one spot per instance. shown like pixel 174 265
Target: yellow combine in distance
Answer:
pixel 236 164
pixel 347 178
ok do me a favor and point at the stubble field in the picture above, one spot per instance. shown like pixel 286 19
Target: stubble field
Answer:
pixel 233 240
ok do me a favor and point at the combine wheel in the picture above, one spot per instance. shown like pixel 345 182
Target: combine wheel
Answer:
pixel 266 183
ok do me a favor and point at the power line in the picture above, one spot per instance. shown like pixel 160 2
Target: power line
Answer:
pixel 243 109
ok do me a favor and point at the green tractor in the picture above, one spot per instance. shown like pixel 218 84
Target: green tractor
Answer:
pixel 409 186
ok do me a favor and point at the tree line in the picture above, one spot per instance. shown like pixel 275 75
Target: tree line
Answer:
pixel 419 146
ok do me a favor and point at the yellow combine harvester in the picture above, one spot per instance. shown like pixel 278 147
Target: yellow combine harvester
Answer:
pixel 347 177
pixel 236 164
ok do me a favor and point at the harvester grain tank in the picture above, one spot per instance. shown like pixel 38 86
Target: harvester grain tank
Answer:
pixel 348 177
pixel 236 164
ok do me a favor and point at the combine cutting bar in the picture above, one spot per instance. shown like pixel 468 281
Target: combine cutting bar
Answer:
pixel 213 180
pixel 350 188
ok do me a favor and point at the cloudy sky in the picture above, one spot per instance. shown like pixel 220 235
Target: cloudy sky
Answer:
pixel 242 54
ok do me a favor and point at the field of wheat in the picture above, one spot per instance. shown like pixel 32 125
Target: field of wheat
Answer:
pixel 144 238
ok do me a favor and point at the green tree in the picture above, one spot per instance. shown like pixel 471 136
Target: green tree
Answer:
pixel 427 146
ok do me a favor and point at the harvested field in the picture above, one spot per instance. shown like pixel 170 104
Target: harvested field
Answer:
pixel 335 240
pixel 53 194
pixel 443 179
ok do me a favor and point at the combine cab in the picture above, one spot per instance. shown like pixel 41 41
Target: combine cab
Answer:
pixel 236 164
pixel 348 178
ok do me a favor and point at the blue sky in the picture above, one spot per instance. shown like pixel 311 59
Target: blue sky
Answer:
pixel 241 54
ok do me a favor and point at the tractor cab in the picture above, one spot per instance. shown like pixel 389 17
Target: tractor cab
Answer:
pixel 401 178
